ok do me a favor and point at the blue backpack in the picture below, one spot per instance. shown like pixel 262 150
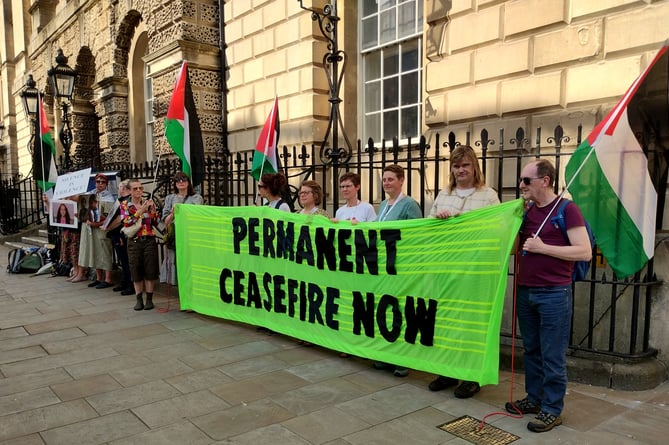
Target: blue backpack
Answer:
pixel 581 268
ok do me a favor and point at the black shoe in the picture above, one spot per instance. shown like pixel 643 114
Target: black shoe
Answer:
pixel 149 304
pixel 103 285
pixel 400 371
pixel 522 406
pixel 127 291
pixel 544 422
pixel 140 303
pixel 264 330
pixel 441 383
pixel 382 366
pixel 466 390
pixel 118 288
pixel 94 283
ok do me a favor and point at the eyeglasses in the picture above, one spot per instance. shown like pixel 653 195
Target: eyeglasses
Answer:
pixel 138 188
pixel 181 180
pixel 525 180
pixel 100 181
pixel 305 192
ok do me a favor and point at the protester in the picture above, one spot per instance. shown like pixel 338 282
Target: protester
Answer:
pixel 142 247
pixel 544 295
pixel 397 206
pixel 354 210
pixel 101 252
pixel 311 197
pixel 183 194
pixel 272 187
pixel 94 246
pixel 119 241
pixel 69 239
pixel 78 271
pixel 466 191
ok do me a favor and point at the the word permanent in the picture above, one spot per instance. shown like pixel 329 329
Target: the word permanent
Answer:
pixel 334 250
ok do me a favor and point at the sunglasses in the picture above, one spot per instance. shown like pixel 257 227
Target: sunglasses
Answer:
pixel 181 180
pixel 100 181
pixel 525 180
pixel 138 188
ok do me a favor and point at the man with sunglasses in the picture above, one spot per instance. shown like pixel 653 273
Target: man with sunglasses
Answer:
pixel 544 295
pixel 466 191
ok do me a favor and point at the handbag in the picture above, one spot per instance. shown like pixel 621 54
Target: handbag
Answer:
pixel 169 238
pixel 131 231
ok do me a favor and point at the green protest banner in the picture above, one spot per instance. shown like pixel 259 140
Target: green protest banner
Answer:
pixel 425 294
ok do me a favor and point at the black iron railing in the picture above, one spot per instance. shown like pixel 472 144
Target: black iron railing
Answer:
pixel 611 315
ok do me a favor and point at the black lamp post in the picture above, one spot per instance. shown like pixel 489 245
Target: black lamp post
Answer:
pixel 62 80
pixel 334 63
pixel 29 96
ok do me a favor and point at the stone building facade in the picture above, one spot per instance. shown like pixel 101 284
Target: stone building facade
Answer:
pixel 126 55
pixel 481 63
pixel 412 67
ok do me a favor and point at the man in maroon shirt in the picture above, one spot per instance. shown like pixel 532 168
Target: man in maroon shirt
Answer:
pixel 544 297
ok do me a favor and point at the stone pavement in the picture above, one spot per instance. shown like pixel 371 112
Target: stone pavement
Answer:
pixel 79 366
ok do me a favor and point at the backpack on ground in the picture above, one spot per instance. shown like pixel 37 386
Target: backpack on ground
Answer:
pixel 581 268
pixel 14 258
pixel 31 262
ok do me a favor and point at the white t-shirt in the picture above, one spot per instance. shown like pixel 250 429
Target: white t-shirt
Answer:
pixel 362 212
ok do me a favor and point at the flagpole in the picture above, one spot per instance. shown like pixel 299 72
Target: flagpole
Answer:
pixel 40 109
pixel 155 176
pixel 561 195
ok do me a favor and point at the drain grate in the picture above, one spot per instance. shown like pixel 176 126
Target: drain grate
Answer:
pixel 466 427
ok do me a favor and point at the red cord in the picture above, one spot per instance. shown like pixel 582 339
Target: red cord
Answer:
pixel 513 352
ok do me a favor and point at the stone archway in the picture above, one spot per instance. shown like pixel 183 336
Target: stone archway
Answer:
pixel 112 96
pixel 86 145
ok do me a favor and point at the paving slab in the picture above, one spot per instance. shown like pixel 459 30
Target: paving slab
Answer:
pixel 45 418
pixel 96 431
pixel 79 366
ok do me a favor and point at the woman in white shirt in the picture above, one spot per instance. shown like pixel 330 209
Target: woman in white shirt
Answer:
pixel 354 210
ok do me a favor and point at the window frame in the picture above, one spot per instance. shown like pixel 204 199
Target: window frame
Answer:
pixel 381 132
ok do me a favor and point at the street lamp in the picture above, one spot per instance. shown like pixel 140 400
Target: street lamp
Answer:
pixel 29 96
pixel 62 80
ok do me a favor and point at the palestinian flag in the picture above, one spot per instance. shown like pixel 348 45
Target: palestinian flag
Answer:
pixel 182 128
pixel 611 183
pixel 265 158
pixel 44 151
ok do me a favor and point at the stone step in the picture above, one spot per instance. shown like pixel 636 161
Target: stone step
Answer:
pixel 35 241
pixel 16 245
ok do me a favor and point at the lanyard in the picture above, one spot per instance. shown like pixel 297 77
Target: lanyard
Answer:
pixel 389 208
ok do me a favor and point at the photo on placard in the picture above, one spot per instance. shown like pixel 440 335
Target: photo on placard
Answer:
pixel 64 214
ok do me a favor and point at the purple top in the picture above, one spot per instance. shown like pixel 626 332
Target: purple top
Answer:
pixel 537 270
